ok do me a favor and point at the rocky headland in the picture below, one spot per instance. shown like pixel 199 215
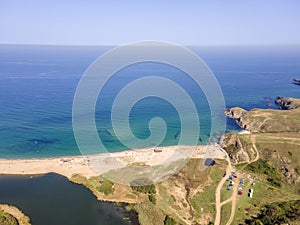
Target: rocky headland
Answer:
pixel 274 136
pixel 269 120
pixel 287 103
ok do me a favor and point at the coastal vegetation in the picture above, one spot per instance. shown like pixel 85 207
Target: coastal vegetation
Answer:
pixel 145 186
pixel 106 187
pixel 169 221
pixel 277 213
pixel 186 197
pixel 10 215
pixel 149 213
pixel 7 219
pixel 262 167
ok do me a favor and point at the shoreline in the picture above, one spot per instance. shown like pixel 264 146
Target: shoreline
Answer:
pixel 16 213
pixel 70 165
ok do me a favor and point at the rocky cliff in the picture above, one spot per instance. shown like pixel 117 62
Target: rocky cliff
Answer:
pixel 269 120
pixel 287 103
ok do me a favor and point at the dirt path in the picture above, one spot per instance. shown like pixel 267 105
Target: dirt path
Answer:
pixel 233 198
pixel 175 212
pixel 226 201
pixel 218 192
pixel 233 204
pixel 253 140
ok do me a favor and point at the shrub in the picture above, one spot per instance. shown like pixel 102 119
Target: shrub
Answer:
pixel 7 219
pixel 277 213
pixel 262 167
pixel 107 187
pixel 169 221
pixel 143 185
pixel 152 198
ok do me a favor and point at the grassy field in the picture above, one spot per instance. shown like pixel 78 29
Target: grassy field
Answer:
pixel 278 152
pixel 166 198
pixel 205 201
pixel 264 194
pixel 287 212
pixel 225 194
pixel 225 213
pixel 149 214
pixel 193 175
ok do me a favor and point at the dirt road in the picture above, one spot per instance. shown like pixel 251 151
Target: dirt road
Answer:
pixel 229 169
pixel 233 198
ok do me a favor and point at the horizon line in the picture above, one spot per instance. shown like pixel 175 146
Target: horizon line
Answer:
pixel 189 45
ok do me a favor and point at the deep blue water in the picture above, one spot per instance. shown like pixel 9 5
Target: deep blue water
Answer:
pixel 37 86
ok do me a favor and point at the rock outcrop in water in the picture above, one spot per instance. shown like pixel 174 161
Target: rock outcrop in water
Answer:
pixel 287 103
pixel 296 81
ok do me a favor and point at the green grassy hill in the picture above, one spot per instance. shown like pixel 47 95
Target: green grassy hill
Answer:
pixel 270 154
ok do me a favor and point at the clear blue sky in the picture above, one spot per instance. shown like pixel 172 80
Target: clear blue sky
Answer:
pixel 199 22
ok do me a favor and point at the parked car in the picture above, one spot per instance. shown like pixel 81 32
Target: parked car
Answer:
pixel 242 182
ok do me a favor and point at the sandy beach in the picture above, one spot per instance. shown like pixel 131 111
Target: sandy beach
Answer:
pixel 68 166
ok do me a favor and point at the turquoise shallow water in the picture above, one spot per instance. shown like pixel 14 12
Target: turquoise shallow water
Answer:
pixel 37 85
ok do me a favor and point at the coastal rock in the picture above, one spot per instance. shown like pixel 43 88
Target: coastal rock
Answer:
pixel 289 172
pixel 269 120
pixel 241 118
pixel 287 103
pixel 235 112
pixel 236 148
pixel 296 81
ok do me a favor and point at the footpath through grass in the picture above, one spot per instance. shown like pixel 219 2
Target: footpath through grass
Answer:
pixel 205 201
pixel 225 213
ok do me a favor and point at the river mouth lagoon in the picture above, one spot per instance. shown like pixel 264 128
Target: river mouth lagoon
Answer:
pixel 38 83
pixel 52 199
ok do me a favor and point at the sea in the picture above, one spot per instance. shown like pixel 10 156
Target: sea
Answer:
pixel 38 84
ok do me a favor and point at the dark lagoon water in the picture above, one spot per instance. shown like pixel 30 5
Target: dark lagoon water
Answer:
pixel 53 200
pixel 38 83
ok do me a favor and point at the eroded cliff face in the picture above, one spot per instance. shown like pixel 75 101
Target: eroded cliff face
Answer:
pixel 287 103
pixel 238 148
pixel 269 120
pixel 235 112
pixel 242 118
